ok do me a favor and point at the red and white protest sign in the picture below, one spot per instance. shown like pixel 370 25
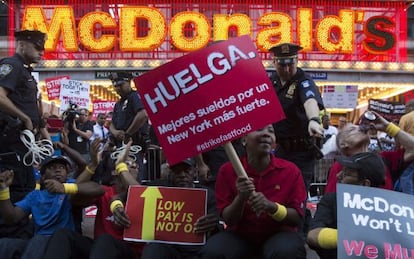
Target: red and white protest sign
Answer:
pixel 53 86
pixel 208 97
pixel 165 214
pixel 102 107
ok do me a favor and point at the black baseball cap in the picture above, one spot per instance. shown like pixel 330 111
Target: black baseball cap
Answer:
pixel 36 37
pixel 285 53
pixel 53 159
pixel 120 77
pixel 369 166
pixel 189 161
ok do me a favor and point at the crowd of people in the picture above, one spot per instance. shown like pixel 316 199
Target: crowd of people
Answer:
pixel 260 215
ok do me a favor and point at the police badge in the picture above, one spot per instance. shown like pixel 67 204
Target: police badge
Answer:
pixel 5 69
pixel 291 91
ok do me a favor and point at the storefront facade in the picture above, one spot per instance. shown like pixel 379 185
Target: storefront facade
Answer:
pixel 346 43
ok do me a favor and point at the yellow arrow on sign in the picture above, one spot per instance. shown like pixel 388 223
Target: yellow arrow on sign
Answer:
pixel 151 195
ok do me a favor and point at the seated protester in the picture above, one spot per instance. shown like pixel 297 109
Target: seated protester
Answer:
pixel 50 207
pixel 353 139
pixel 263 211
pixel 182 175
pixel 366 169
pixel 66 243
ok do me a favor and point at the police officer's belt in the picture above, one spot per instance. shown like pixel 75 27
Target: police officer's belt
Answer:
pixel 294 144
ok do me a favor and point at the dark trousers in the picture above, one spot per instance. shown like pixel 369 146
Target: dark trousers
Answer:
pixel 16 248
pixel 108 247
pixel 12 248
pixel 68 244
pixel 228 245
pixel 158 250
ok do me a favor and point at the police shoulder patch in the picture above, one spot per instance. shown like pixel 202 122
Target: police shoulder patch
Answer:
pixel 5 69
pixel 309 93
pixel 305 84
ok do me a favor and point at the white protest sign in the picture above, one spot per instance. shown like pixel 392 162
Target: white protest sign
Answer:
pixel 76 92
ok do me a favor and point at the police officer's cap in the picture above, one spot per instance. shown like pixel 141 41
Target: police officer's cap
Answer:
pixel 36 37
pixel 285 53
pixel 120 77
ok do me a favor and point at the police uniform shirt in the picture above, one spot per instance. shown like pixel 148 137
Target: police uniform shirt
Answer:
pixel 125 111
pixel 292 96
pixel 16 76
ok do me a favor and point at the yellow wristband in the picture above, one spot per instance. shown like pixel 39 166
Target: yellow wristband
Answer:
pixel 392 129
pixel 5 194
pixel 89 170
pixel 115 204
pixel 280 213
pixel 328 238
pixel 70 188
pixel 121 167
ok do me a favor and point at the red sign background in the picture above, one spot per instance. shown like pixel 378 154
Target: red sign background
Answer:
pixel 102 107
pixel 53 86
pixel 165 214
pixel 209 97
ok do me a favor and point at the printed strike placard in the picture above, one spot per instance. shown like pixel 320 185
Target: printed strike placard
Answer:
pixel 374 223
pixel 208 97
pixel 165 214
pixel 102 107
pixel 76 92
pixel 53 85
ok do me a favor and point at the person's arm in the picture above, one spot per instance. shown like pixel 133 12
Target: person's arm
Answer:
pixel 84 134
pixel 118 134
pixel 312 112
pixel 140 118
pixel 65 134
pixel 9 213
pixel 234 212
pixel 260 204
pixel 74 155
pixel 401 137
pixel 7 106
pixel 323 232
pixel 44 133
pixel 89 170
pixel 117 208
pixel 122 169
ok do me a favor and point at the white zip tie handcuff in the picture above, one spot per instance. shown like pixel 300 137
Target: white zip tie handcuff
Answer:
pixel 38 150
pixel 134 149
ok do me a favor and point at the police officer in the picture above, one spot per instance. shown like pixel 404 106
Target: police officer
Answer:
pixel 19 109
pixel 129 118
pixel 301 102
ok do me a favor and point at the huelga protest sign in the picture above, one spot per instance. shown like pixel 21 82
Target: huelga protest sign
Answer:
pixel 208 97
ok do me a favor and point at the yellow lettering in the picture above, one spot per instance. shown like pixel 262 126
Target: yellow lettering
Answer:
pixel 160 215
pixel 223 22
pixel 198 27
pixel 168 226
pixel 191 31
pixel 157 29
pixel 62 22
pixel 87 32
pixel 342 27
pixel 304 23
pixel 279 29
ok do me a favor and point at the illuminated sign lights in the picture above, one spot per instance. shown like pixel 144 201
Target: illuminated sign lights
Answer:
pixel 273 27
